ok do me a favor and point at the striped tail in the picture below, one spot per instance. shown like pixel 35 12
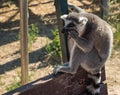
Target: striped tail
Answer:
pixel 93 84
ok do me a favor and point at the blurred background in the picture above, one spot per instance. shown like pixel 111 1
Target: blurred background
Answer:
pixel 43 41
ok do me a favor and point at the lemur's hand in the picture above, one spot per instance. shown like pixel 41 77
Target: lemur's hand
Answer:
pixel 73 34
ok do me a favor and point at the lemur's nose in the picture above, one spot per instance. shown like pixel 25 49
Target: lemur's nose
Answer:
pixel 63 30
pixel 66 30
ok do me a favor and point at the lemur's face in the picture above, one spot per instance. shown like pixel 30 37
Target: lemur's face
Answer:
pixel 74 23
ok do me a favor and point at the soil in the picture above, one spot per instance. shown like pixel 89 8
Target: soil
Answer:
pixel 41 12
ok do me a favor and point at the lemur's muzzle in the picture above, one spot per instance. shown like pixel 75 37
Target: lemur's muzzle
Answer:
pixel 66 30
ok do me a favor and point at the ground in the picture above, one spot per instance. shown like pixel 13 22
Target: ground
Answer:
pixel 41 12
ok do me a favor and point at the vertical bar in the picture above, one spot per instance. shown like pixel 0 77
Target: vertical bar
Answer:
pixel 24 40
pixel 104 8
pixel 62 8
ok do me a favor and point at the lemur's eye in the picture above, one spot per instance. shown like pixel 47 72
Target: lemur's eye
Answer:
pixel 71 25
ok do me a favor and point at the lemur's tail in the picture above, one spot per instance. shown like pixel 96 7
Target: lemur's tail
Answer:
pixel 93 84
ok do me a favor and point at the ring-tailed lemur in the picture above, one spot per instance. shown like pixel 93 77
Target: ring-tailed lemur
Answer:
pixel 90 44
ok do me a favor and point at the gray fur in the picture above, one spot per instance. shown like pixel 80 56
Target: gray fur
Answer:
pixel 90 47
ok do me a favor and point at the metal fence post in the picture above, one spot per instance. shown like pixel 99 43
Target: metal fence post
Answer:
pixel 62 8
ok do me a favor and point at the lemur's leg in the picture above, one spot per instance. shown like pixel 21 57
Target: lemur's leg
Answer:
pixel 73 63
pixel 72 69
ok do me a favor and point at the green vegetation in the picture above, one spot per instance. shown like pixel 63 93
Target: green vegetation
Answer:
pixel 117 37
pixel 33 32
pixel 17 81
pixel 54 48
pixel 1 82
pixel 14 86
pixel 114 20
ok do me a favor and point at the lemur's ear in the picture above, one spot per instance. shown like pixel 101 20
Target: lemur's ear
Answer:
pixel 63 17
pixel 74 8
pixel 83 20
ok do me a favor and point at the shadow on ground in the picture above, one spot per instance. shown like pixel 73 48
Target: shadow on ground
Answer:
pixel 9 29
pixel 35 56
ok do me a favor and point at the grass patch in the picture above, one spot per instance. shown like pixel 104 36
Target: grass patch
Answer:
pixel 14 86
pixel 117 36
pixel 1 82
pixel 114 21
pixel 54 49
pixel 17 81
pixel 33 33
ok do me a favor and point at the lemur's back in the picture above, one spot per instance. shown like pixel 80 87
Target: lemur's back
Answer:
pixel 103 35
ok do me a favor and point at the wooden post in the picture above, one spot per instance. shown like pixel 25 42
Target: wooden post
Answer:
pixel 62 8
pixel 104 8
pixel 24 40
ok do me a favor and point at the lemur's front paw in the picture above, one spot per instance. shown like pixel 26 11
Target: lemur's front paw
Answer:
pixel 56 69
pixel 73 34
